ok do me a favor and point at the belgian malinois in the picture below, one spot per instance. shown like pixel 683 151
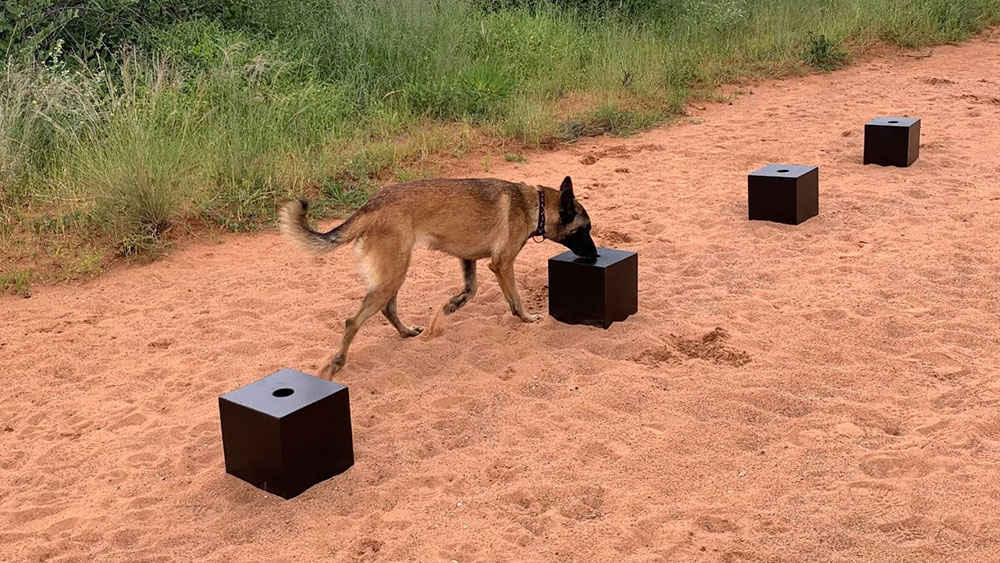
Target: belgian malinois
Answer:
pixel 469 219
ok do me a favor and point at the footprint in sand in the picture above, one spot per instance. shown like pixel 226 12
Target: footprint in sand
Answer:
pixel 144 459
pixel 951 541
pixel 893 467
pixel 849 430
pixel 457 431
pixel 205 429
pixel 654 228
pixel 716 524
pixel 954 400
pixel 942 365
pixel 449 402
pixel 161 344
pixel 574 502
pixel 914 528
pixel 877 501
pixel 134 419
pixel 596 452
pixel 990 430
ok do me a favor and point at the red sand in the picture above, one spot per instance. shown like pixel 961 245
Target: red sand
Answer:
pixel 846 409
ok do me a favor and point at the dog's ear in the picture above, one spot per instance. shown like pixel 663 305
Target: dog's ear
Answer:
pixel 567 201
pixel 567 184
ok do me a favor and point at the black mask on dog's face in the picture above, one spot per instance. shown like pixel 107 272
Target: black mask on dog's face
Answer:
pixel 574 223
pixel 580 243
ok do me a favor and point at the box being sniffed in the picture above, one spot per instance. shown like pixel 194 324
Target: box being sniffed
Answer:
pixel 594 291
pixel 287 431
pixel 783 193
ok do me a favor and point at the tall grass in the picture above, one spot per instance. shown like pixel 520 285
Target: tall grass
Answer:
pixel 217 116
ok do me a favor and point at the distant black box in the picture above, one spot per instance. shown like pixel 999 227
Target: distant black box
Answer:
pixel 783 193
pixel 286 432
pixel 892 141
pixel 595 292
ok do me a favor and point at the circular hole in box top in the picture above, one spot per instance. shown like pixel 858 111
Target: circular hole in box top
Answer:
pixel 893 121
pixel 784 171
pixel 283 392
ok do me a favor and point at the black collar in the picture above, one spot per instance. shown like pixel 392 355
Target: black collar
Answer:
pixel 540 231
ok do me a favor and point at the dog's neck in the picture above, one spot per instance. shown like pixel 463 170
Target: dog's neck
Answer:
pixel 540 231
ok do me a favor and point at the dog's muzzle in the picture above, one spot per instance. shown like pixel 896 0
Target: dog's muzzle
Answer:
pixel 581 244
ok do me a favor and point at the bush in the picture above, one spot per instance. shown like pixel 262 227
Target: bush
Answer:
pixel 97 28
pixel 824 54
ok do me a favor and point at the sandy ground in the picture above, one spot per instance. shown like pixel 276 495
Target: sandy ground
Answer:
pixel 826 392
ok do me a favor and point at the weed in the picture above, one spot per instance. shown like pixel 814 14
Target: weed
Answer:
pixel 346 195
pixel 823 54
pixel 16 281
pixel 244 204
pixel 58 224
pixel 608 119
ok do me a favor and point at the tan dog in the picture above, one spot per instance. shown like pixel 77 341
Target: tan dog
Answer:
pixel 467 218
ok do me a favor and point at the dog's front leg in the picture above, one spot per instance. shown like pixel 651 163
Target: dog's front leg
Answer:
pixel 504 271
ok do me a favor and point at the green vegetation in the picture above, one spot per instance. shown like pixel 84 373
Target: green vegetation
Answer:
pixel 17 282
pixel 823 54
pixel 125 123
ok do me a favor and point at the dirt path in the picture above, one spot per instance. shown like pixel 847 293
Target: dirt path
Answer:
pixel 827 392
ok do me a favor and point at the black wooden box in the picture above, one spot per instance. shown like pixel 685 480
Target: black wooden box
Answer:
pixel 594 291
pixel 286 432
pixel 783 193
pixel 892 141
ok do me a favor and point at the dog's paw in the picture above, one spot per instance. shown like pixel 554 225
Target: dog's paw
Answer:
pixel 335 365
pixel 411 332
pixel 531 318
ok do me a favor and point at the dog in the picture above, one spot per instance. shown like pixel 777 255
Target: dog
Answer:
pixel 470 219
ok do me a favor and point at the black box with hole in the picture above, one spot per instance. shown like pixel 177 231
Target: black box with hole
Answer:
pixel 286 432
pixel 892 141
pixel 783 193
pixel 594 292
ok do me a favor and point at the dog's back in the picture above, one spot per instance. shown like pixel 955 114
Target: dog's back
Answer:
pixel 467 218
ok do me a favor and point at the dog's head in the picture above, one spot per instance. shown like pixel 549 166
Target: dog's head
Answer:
pixel 573 226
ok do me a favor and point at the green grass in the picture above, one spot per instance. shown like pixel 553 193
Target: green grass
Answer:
pixel 16 282
pixel 215 116
pixel 823 54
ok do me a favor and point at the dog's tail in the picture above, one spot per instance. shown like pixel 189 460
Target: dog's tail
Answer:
pixel 293 224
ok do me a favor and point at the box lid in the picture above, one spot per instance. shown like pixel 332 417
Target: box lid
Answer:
pixel 605 257
pixel 894 121
pixel 283 392
pixel 784 170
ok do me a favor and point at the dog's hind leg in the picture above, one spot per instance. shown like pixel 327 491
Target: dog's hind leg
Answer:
pixel 390 313
pixel 504 270
pixel 384 272
pixel 468 292
pixel 372 303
